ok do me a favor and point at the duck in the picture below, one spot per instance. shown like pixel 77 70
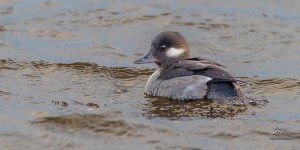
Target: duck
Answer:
pixel 181 77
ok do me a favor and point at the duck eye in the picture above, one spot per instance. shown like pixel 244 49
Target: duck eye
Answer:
pixel 163 47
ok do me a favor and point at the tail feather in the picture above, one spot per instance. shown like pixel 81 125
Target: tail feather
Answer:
pixel 227 92
pixel 223 90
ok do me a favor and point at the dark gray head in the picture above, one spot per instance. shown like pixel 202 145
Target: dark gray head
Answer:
pixel 166 47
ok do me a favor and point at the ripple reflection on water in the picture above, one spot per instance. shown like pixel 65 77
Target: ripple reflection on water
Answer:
pixel 154 107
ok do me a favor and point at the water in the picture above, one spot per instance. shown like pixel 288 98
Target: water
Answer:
pixel 68 81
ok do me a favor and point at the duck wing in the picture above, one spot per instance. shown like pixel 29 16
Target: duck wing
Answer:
pixel 204 67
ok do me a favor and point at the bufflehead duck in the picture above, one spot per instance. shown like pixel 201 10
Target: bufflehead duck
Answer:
pixel 182 77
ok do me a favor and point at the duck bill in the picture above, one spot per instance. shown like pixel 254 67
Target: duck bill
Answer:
pixel 148 58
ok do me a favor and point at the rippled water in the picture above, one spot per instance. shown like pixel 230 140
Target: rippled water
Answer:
pixel 67 80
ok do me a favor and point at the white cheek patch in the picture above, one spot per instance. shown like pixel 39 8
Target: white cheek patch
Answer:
pixel 174 52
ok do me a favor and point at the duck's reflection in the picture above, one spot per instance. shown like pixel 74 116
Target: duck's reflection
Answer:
pixel 163 107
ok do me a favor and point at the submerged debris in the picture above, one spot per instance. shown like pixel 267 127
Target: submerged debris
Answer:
pixel 94 105
pixel 61 103
pixel 2 28
pixel 65 104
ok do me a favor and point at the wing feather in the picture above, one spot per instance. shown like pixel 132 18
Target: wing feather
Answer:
pixel 200 66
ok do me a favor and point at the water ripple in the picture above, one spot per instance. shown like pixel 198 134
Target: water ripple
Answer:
pixel 272 85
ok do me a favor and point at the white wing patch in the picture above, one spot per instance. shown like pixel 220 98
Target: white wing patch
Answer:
pixel 193 89
pixel 174 52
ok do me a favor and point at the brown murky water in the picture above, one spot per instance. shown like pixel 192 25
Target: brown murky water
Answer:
pixel 67 80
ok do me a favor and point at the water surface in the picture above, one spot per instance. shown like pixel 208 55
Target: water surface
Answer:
pixel 68 81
